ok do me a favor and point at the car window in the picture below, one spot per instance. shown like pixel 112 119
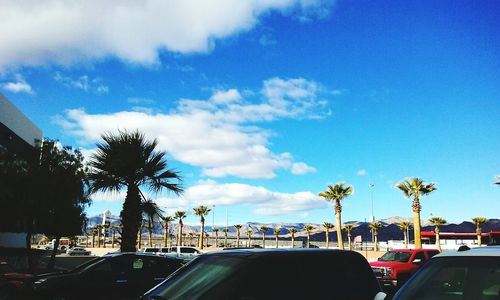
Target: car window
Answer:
pixel 432 253
pixel 455 278
pixel 188 250
pixel 420 255
pixel 151 250
pixel 396 256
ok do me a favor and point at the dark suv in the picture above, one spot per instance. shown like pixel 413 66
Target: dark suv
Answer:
pixel 272 274
pixel 113 276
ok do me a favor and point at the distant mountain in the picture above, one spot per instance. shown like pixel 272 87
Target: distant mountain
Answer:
pixel 389 231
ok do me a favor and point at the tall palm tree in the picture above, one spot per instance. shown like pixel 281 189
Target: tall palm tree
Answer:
pixel 308 229
pixel 201 211
pixel 225 230
pixel 99 231
pixel 416 188
pixel 238 228
pixel 478 221
pixel 263 229
pixel 113 235
pixel 216 231
pixel 375 228
pixel 328 226
pixel 405 226
pixel 337 193
pixel 105 228
pixel 292 232
pixel 437 221
pixel 207 235
pixel 179 215
pixel 166 221
pixel 249 235
pixel 139 235
pixel 129 161
pixel 348 229
pixel 277 232
pixel 94 231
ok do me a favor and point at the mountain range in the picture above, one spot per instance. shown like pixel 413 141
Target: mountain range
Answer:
pixel 389 231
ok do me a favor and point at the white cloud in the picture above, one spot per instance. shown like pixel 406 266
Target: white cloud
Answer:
pixel 65 32
pixel 302 168
pixel 217 135
pixel 83 83
pixel 361 172
pixel 259 199
pixel 18 86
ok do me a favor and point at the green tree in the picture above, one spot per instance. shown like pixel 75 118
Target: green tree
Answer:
pixel 153 214
pixel 348 229
pixel 128 160
pixel 238 228
pixel 263 230
pixel 405 226
pixel 180 215
pixel 416 188
pixel 201 211
pixel 225 230
pixel 292 232
pixel 249 235
pixel 479 221
pixel 437 221
pixel 375 228
pixel 308 229
pixel 216 231
pixel 328 226
pixel 277 232
pixel 337 193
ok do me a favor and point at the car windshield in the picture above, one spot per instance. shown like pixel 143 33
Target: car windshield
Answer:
pixel 396 256
pixel 86 264
pixel 455 278
pixel 204 273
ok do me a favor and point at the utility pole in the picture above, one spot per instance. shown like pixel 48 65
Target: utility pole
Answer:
pixel 371 185
pixel 213 217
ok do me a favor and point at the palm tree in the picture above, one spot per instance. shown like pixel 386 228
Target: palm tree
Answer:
pixel 405 226
pixel 113 234
pixel 238 228
pixel 128 160
pixel 375 228
pixel 179 215
pixel 328 226
pixel 105 228
pixel 139 235
pixel 216 231
pixel 292 232
pixel 437 221
pixel 94 231
pixel 201 211
pixel 263 229
pixel 416 187
pixel 207 235
pixel 99 231
pixel 190 235
pixel 277 232
pixel 153 215
pixel 479 221
pixel 225 230
pixel 249 235
pixel 166 221
pixel 349 228
pixel 337 193
pixel 308 229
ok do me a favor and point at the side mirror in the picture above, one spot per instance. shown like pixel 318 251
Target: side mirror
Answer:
pixel 379 259
pixel 417 261
pixel 380 296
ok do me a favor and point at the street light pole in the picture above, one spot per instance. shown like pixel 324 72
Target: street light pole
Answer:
pixel 213 217
pixel 371 185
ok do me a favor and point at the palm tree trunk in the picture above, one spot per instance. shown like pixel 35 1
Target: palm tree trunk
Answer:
pixel 99 238
pixel 293 240
pixel 349 240
pixel 438 242
pixel 179 238
pixel 225 239
pixel 216 239
pixel 131 217
pixel 93 240
pixel 405 237
pixel 238 239
pixel 327 238
pixel 478 232
pixel 416 222
pixel 338 212
pixel 112 238
pixel 200 244
pixel 139 238
pixel 375 237
pixel 308 240
pixel 150 236
pixel 263 240
pixel 277 241
pixel 165 234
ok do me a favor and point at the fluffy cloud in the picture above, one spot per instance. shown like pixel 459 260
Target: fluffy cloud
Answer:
pixel 57 31
pixel 219 134
pixel 361 172
pixel 19 85
pixel 261 200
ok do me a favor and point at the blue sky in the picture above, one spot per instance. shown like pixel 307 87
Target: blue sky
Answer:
pixel 262 104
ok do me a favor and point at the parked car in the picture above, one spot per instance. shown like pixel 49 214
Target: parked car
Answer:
pixel 469 274
pixel 395 267
pixel 182 252
pixel 272 274
pixel 113 276
pixel 77 251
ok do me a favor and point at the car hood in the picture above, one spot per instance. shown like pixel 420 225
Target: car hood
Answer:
pixel 387 264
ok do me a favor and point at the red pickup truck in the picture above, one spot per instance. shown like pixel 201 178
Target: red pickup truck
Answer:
pixel 395 267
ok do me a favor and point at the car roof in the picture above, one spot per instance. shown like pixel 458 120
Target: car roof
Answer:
pixel 413 250
pixel 477 251
pixel 115 254
pixel 281 251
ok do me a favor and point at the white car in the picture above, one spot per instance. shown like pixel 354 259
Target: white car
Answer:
pixel 77 251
